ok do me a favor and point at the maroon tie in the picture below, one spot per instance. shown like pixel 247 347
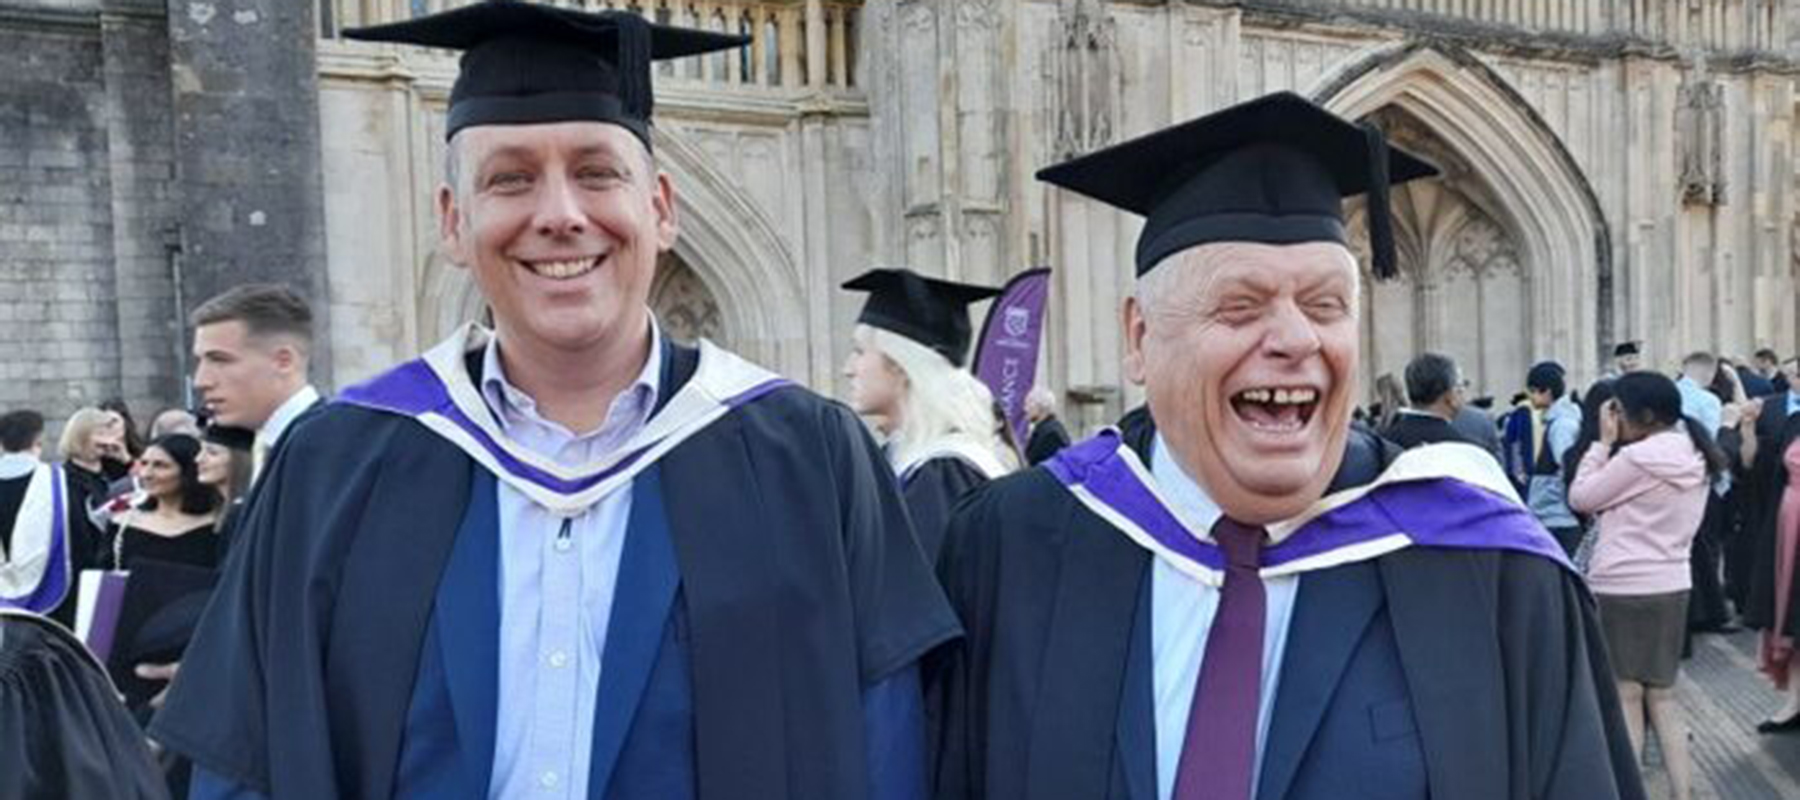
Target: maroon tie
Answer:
pixel 1218 759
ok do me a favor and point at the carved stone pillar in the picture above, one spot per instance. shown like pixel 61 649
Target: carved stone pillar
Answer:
pixel 942 82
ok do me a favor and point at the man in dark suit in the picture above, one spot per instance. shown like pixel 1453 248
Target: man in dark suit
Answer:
pixel 1240 596
pixel 1434 390
pixel 1048 436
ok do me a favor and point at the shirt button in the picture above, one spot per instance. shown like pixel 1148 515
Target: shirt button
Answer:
pixel 548 779
pixel 563 543
pixel 559 659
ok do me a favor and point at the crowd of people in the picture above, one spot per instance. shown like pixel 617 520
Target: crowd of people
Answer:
pixel 1670 492
pixel 567 556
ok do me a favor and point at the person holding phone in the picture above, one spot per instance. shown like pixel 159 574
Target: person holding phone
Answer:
pixel 1646 480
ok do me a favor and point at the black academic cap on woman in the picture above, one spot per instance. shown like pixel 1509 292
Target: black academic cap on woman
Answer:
pixel 930 311
pixel 1273 170
pixel 526 63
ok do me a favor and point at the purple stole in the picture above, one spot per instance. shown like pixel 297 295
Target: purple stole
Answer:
pixel 436 391
pixel 1443 495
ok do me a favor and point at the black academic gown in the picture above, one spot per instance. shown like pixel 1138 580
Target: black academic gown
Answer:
pixel 1776 431
pixel 802 583
pixel 1477 675
pixel 1048 437
pixel 1413 430
pixel 932 489
pixel 63 731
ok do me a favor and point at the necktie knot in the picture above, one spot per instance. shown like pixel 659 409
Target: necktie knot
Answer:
pixel 1242 543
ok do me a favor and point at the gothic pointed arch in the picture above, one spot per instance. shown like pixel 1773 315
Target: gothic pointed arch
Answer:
pixel 730 245
pixel 1535 187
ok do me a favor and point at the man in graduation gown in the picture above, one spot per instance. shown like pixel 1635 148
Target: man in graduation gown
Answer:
pixel 1239 597
pixel 38 555
pixel 566 558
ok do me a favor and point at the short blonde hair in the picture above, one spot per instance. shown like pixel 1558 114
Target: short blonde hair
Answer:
pixel 78 433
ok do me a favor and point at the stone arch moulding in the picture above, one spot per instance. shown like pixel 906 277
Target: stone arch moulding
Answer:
pixel 1545 196
pixel 729 242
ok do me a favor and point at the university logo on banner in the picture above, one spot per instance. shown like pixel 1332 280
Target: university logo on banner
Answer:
pixel 1006 355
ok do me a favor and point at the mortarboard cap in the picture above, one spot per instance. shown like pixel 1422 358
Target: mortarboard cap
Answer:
pixel 1273 170
pixel 932 312
pixel 525 63
pixel 1625 349
pixel 227 436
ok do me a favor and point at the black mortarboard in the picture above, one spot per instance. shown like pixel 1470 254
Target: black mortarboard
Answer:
pixel 1625 349
pixel 526 63
pixel 1273 170
pixel 235 438
pixel 932 312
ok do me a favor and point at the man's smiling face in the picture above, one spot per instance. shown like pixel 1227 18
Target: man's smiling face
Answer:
pixel 561 225
pixel 1247 353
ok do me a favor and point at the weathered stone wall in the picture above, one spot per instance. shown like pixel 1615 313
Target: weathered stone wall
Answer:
pixel 145 213
pixel 83 174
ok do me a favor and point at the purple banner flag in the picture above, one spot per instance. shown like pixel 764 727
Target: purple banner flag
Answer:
pixel 1006 355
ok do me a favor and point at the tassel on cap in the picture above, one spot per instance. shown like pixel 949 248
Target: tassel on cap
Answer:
pixel 1380 213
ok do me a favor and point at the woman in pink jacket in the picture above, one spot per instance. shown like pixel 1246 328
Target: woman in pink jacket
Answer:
pixel 1646 480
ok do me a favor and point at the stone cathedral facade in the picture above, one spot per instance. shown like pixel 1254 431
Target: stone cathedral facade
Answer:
pixel 1613 169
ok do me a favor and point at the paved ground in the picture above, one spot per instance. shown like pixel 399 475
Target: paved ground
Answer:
pixel 1725 698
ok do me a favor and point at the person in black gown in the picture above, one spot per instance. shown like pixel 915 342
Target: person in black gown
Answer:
pixel 1238 595
pixel 751 600
pixel 1048 435
pixel 906 374
pixel 225 465
pixel 63 732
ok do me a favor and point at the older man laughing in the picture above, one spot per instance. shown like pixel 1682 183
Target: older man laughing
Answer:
pixel 1245 599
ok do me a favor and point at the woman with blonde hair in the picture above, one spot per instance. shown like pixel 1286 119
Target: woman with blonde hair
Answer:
pixel 81 448
pixel 907 377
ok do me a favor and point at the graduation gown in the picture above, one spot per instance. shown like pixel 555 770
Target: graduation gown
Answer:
pixel 1047 438
pixel 931 490
pixel 1428 672
pixel 1775 433
pixel 63 731
pixel 800 584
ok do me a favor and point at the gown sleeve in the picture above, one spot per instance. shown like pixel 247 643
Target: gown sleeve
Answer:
pixel 899 608
pixel 955 676
pixel 1563 703
pixel 63 731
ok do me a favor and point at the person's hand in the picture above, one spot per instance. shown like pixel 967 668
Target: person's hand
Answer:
pixel 1609 423
pixel 1729 416
pixel 159 672
pixel 1748 413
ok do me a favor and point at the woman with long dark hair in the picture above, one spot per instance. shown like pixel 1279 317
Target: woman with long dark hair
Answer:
pixel 1646 479
pixel 175 522
pixel 1592 403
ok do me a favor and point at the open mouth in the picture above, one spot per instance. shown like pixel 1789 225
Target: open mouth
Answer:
pixel 564 269
pixel 1276 409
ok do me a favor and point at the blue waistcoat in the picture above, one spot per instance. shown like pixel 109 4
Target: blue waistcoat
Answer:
pixel 643 718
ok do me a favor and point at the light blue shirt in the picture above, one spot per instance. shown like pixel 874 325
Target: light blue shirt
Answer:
pixel 1701 404
pixel 1705 408
pixel 1793 402
pixel 557 578
pixel 1181 617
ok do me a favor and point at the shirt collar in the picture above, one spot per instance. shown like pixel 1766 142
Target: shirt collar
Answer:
pixel 1190 503
pixel 285 414
pixel 13 465
pixel 510 403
